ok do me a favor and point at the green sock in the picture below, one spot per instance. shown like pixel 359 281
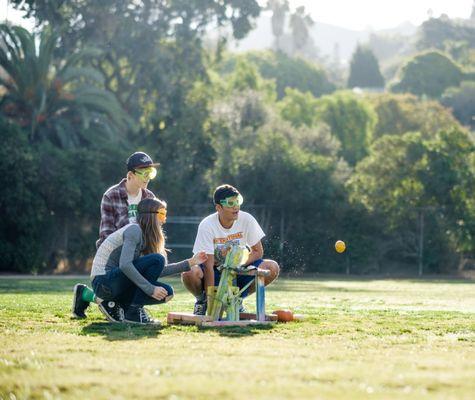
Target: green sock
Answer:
pixel 88 295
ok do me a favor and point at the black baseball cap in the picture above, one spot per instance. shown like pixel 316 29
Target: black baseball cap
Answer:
pixel 140 160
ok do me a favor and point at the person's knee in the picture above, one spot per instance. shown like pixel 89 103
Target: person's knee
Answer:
pixel 158 259
pixel 170 291
pixel 193 275
pixel 168 298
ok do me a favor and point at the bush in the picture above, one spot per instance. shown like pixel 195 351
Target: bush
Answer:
pixel 461 101
pixel 428 74
pixel 288 72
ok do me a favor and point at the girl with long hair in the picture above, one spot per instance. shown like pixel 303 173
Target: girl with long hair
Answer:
pixel 128 263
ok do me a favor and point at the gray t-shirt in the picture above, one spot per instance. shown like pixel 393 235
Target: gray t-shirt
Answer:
pixel 120 249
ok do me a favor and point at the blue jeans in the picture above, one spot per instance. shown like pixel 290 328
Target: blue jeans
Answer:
pixel 116 286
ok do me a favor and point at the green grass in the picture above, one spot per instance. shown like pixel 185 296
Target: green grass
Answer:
pixel 362 339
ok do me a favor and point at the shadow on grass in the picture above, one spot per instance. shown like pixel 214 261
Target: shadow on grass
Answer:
pixel 115 331
pixel 238 331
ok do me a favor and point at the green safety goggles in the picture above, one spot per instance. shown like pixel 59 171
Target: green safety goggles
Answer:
pixel 233 201
pixel 146 173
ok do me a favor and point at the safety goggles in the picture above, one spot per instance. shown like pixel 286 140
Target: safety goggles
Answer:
pixel 162 215
pixel 146 173
pixel 233 201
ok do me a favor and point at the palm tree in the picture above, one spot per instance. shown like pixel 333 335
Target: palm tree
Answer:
pixel 279 10
pixel 60 101
pixel 300 22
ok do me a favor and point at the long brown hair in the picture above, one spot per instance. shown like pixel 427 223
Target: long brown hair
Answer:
pixel 152 232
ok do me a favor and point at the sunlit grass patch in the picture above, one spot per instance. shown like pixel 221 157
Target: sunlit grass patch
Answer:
pixel 378 338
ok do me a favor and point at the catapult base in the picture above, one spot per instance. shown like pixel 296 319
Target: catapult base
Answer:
pixel 245 319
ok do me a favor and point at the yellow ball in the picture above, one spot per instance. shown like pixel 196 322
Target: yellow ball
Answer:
pixel 340 246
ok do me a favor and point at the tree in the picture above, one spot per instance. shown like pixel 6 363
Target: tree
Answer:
pixel 279 10
pixel 300 22
pixel 364 70
pixel 147 47
pixel 298 170
pixel 351 120
pixel 428 74
pixel 58 100
pixel 298 108
pixel 435 32
pixel 293 72
pixel 406 175
pixel 20 230
pixel 398 114
pixel 461 101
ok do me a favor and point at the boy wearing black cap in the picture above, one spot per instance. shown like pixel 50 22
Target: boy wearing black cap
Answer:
pixel 118 208
pixel 119 202
pixel 228 223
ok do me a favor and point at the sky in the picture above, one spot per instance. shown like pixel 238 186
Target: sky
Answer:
pixel 351 14
pixel 380 14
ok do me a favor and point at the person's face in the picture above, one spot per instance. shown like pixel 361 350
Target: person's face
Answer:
pixel 162 215
pixel 142 176
pixel 229 208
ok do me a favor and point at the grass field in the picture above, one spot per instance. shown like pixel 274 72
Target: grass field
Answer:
pixel 362 339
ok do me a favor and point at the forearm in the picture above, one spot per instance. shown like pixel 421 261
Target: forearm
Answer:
pixel 176 268
pixel 253 256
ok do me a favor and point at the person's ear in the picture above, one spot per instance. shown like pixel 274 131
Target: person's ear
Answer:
pixel 217 207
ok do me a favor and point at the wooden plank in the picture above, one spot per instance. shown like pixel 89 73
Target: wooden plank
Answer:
pixel 245 316
pixel 186 318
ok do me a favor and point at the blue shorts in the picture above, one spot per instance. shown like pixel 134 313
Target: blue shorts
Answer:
pixel 241 280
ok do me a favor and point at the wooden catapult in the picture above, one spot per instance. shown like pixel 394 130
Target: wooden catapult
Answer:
pixel 225 300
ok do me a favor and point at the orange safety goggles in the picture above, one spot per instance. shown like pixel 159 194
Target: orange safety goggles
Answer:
pixel 162 215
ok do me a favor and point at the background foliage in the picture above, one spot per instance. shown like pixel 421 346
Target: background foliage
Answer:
pixel 315 161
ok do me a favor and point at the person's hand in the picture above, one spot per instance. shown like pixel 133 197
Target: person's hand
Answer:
pixel 159 293
pixel 198 258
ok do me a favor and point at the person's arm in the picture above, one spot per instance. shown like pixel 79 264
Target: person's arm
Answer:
pixel 107 225
pixel 257 252
pixel 132 239
pixel 185 265
pixel 254 236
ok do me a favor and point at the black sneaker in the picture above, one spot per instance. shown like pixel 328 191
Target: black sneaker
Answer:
pixel 138 315
pixel 112 311
pixel 200 308
pixel 79 305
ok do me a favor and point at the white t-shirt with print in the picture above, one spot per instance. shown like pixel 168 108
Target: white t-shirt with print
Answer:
pixel 133 201
pixel 211 233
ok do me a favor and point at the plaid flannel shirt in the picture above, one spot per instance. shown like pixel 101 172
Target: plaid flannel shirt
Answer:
pixel 115 209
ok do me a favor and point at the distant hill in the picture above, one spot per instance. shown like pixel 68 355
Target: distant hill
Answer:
pixel 325 37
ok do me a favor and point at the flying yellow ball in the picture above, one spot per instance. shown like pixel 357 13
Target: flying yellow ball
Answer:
pixel 340 246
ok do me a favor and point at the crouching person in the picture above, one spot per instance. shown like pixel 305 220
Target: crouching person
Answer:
pixel 226 224
pixel 128 263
